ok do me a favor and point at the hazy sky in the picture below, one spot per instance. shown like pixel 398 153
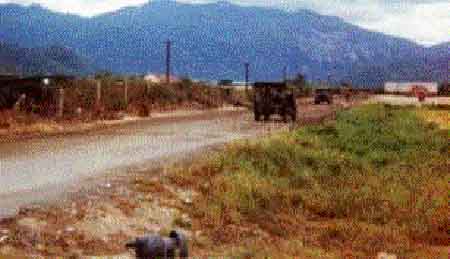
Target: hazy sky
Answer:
pixel 424 21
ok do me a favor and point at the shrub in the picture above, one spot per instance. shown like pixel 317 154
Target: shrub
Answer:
pixel 142 96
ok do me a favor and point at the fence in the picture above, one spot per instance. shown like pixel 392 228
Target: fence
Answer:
pixel 106 97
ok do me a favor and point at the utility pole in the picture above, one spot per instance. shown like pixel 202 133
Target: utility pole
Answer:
pixel 247 66
pixel 168 46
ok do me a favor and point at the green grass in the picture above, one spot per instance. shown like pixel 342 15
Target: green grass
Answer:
pixel 383 168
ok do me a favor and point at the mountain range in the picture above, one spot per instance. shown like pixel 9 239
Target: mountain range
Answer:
pixel 213 41
pixel 42 61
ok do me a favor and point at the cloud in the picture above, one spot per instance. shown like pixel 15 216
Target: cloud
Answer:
pixel 81 7
pixel 427 23
pixel 424 21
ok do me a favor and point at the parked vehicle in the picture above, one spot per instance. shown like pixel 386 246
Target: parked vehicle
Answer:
pixel 274 98
pixel 323 95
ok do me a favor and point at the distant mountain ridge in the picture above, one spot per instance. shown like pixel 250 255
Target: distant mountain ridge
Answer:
pixel 34 61
pixel 212 41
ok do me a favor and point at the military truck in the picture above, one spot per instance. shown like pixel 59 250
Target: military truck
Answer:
pixel 323 95
pixel 274 98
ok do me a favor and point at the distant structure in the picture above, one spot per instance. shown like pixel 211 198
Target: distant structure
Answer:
pixel 205 82
pixel 155 78
pixel 410 88
pixel 234 84
pixel 7 76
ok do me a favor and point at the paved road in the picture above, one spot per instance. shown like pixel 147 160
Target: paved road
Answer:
pixel 40 169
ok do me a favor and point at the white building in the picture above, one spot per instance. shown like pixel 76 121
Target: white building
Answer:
pixel 236 85
pixel 409 87
pixel 154 78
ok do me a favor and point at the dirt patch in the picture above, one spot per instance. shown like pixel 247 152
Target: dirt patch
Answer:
pixel 97 224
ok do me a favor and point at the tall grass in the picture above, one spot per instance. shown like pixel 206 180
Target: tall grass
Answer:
pixel 381 167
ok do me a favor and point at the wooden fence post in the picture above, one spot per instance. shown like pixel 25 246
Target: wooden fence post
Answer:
pixel 99 94
pixel 147 88
pixel 60 111
pixel 125 94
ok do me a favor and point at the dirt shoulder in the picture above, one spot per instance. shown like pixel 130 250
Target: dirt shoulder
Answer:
pixel 48 127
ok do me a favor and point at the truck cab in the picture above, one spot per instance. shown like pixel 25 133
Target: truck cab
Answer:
pixel 274 98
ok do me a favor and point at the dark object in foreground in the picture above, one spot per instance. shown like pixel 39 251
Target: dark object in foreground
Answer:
pixel 323 95
pixel 274 98
pixel 155 246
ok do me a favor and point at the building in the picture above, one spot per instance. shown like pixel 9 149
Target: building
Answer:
pixel 154 78
pixel 409 88
pixel 234 84
pixel 4 77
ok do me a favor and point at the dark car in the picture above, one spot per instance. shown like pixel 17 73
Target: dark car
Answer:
pixel 323 96
pixel 274 98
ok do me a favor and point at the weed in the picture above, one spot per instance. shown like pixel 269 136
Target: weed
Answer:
pixel 383 170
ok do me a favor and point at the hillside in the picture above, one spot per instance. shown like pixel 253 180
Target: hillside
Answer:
pixel 48 60
pixel 429 64
pixel 212 41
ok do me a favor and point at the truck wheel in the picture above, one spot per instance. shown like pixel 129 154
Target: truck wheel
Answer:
pixel 285 117
pixel 257 116
pixel 3 102
pixel 294 116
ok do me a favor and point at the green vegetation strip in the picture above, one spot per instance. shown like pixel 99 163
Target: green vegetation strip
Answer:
pixel 375 165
